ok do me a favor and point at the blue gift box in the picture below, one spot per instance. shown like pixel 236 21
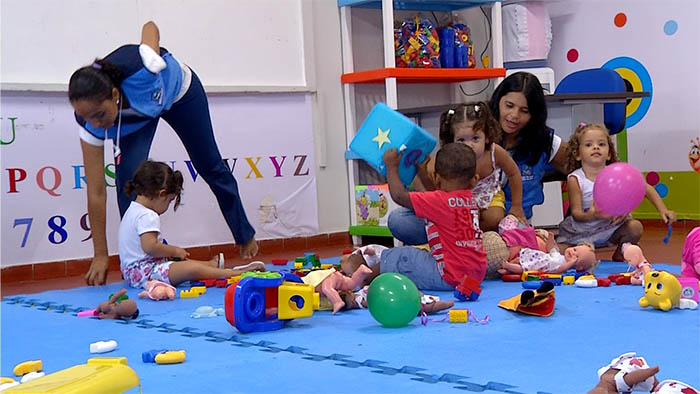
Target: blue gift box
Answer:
pixel 384 129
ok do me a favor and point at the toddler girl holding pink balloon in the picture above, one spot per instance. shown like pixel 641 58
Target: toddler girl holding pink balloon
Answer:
pixel 607 220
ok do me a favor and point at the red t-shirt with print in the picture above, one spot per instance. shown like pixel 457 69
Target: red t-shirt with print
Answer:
pixel 454 235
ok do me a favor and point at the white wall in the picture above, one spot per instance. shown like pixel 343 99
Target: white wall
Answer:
pixel 229 43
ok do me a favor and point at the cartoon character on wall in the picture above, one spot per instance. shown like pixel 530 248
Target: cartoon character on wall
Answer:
pixel 383 205
pixel 694 155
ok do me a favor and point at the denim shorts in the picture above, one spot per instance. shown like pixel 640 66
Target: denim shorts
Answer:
pixel 417 264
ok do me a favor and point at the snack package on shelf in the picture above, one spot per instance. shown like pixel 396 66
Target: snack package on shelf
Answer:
pixel 416 44
pixel 456 47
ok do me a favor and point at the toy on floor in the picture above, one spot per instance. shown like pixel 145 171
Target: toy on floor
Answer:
pixel 329 282
pixel 689 288
pixel 663 291
pixel 193 292
pixel 266 301
pixel 627 373
pixel 103 346
pixel 690 264
pixel 163 356
pixel 98 375
pixel 468 290
pixel 393 300
pixel 119 306
pixel 6 383
pixel 206 311
pixel 26 367
pixel 157 290
pixel 31 376
pixel 536 303
pixel 635 258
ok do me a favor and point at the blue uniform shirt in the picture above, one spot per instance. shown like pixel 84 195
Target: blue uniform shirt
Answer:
pixel 148 94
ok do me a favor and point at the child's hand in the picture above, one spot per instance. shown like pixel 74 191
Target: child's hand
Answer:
pixel 392 158
pixel 180 254
pixel 424 165
pixel 668 216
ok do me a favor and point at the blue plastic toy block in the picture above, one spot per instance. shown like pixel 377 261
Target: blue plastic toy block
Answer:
pixel 384 129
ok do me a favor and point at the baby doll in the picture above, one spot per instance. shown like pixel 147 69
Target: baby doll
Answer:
pixel 580 257
pixel 628 373
pixel 635 258
pixel 119 306
pixel 368 256
pixel 428 304
pixel 329 282
pixel 690 265
pixel 157 290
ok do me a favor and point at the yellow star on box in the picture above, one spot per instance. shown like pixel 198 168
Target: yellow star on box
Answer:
pixel 382 137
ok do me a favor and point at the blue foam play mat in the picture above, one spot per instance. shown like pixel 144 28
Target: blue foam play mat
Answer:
pixel 351 353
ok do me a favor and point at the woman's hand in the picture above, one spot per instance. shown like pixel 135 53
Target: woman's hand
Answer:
pixel 97 274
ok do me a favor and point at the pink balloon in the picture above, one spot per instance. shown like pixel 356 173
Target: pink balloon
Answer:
pixel 618 189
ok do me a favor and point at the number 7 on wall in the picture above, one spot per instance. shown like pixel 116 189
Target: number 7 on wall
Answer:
pixel 21 221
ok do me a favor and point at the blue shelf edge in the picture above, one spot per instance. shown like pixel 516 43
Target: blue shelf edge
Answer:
pixel 419 5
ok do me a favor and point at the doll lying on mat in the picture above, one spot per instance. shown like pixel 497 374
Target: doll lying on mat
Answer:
pixel 119 306
pixel 329 282
pixel 628 373
pixel 536 250
pixel 428 304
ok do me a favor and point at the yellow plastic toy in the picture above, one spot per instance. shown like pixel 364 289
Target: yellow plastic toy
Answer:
pixel 661 290
pixel 98 375
pixel 458 315
pixel 26 367
pixel 193 292
pixel 288 308
pixel 568 280
pixel 171 357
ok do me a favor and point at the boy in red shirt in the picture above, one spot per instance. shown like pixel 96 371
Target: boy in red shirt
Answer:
pixel 452 223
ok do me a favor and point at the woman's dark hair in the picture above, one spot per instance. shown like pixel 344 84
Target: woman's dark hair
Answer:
pixel 477 112
pixel 535 138
pixel 94 82
pixel 153 176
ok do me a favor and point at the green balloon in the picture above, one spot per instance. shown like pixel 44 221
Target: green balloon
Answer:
pixel 393 300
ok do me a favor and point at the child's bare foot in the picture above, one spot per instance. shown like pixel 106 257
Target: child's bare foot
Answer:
pixel 437 306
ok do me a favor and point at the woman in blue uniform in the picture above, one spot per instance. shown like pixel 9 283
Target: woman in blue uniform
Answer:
pixel 122 97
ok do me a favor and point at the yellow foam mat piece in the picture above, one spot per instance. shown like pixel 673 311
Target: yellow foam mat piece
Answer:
pixel 98 375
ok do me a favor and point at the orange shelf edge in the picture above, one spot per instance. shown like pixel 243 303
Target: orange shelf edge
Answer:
pixel 423 75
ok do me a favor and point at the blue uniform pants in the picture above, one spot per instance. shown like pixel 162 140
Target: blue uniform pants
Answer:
pixel 190 119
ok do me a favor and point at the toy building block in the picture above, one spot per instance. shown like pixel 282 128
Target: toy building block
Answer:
pixel 209 282
pixel 458 315
pixel 163 356
pixel 234 279
pixel 532 284
pixel 621 279
pixel 221 282
pixel 468 290
pixel 193 292
pixel 511 278
pixel 197 283
pixel 603 282
pixel 300 260
pixel 327 266
pixel 568 279
pixel 279 261
pixel 26 367
pixel 103 346
pixel 555 281
pixel 525 274
pixel 298 265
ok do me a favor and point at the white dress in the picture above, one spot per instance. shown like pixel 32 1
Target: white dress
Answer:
pixel 537 260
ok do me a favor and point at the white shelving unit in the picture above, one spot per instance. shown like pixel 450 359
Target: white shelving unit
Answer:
pixel 391 76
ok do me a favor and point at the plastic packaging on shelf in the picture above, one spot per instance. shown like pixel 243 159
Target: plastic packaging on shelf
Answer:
pixel 416 44
pixel 456 47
